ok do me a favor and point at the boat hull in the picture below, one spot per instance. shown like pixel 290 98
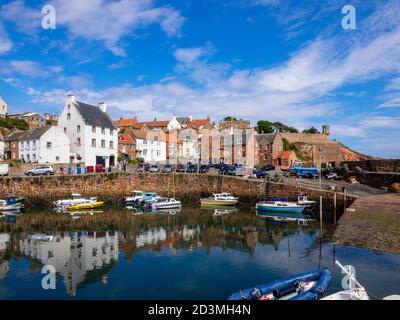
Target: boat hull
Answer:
pixel 270 208
pixel 210 202
pixel 12 207
pixel 86 206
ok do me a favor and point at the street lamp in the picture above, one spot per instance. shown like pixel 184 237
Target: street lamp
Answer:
pixel 320 167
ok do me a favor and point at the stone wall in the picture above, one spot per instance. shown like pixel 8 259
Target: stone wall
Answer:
pixel 389 165
pixel 376 179
pixel 112 187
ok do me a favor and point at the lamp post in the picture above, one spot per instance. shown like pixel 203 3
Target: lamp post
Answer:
pixel 320 167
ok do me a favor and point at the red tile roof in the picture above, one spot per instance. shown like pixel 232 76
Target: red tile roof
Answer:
pixel 129 122
pixel 125 138
pixel 283 154
pixel 158 124
pixel 201 122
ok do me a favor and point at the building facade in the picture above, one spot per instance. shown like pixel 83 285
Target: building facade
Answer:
pixel 92 134
pixel 11 145
pixel 47 144
pixel 126 147
pixel 151 145
pixel 33 119
pixel 3 107
pixel 267 145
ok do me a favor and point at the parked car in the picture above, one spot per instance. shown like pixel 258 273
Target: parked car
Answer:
pixel 154 168
pixel 168 168
pixel 204 168
pixel 331 175
pixel 268 167
pixel 40 171
pixel 180 168
pixel 140 168
pixel 228 170
pixel 4 169
pixel 243 171
pixel 260 174
pixel 192 168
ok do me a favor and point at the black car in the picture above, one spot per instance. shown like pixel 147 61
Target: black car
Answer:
pixel 260 174
pixel 192 168
pixel 228 170
pixel 180 168
pixel 204 168
pixel 147 167
pixel 268 167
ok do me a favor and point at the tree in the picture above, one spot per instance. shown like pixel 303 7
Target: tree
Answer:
pixel 264 126
pixel 311 130
pixel 230 118
pixel 10 123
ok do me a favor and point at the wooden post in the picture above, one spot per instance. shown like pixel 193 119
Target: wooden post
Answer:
pixel 334 208
pixel 320 217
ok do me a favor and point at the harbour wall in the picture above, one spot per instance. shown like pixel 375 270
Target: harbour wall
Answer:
pixel 112 187
pixel 384 165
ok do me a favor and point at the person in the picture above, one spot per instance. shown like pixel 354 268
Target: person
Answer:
pixel 62 170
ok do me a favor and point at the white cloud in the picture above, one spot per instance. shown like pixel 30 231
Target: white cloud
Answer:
pixel 109 22
pixel 5 42
pixel 23 67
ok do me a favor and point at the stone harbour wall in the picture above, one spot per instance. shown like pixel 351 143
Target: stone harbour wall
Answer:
pixel 387 165
pixel 112 187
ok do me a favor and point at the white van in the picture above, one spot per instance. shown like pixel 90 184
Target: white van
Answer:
pixel 4 169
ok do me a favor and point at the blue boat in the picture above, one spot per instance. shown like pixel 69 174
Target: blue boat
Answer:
pixel 280 206
pixel 310 285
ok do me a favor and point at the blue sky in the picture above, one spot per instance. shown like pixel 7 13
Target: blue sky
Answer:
pixel 288 61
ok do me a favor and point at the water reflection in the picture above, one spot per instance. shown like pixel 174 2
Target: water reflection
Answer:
pixel 87 250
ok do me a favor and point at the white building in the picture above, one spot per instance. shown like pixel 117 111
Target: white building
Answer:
pixel 174 124
pixel 93 136
pixel 47 144
pixel 3 107
pixel 151 145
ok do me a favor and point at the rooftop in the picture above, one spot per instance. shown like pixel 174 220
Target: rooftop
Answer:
pixel 93 116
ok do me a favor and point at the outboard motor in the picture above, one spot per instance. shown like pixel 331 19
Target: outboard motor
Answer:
pixel 255 294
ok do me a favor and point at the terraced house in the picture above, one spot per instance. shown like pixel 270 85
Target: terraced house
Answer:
pixel 93 136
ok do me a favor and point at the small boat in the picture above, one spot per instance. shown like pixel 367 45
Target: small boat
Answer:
pixel 86 206
pixel 285 217
pixel 356 291
pixel 280 206
pixel 12 203
pixel 137 196
pixel 148 197
pixel 303 200
pixel 219 199
pixel 305 286
pixel 166 203
pixel 76 199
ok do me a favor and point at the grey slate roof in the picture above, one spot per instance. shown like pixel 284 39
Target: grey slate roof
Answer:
pixel 269 137
pixel 35 134
pixel 14 136
pixel 183 120
pixel 93 116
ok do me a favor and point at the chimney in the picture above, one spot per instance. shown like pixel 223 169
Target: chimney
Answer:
pixel 71 98
pixel 103 107
pixel 326 129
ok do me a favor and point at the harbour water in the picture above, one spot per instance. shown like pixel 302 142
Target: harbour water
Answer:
pixel 192 254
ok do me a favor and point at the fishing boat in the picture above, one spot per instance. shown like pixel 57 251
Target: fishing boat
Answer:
pixel 219 199
pixel 310 285
pixel 356 291
pixel 137 196
pixel 86 206
pixel 75 200
pixel 148 197
pixel 12 203
pixel 280 206
pixel 165 203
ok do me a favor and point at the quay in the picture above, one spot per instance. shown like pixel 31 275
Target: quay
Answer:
pixel 371 222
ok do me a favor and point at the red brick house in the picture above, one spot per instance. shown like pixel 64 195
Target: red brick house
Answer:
pixel 126 146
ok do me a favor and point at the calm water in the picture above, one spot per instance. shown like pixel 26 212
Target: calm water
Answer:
pixel 193 254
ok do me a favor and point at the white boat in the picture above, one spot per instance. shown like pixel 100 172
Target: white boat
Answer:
pixel 303 200
pixel 221 212
pixel 280 206
pixel 12 203
pixel 41 237
pixel 220 199
pixel 76 199
pixel 137 195
pixel 165 203
pixel 356 290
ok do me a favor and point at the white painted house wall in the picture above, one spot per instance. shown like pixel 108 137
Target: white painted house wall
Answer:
pixel 152 151
pixel 81 139
pixel 3 107
pixel 174 124
pixel 52 147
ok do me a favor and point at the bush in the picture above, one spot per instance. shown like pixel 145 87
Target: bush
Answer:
pixel 10 123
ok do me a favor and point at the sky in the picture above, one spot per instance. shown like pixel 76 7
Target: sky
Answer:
pixel 277 60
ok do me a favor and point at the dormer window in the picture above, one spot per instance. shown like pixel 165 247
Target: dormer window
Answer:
pixel 68 116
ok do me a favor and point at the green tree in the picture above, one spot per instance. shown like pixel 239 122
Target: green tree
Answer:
pixel 264 126
pixel 230 118
pixel 10 123
pixel 311 130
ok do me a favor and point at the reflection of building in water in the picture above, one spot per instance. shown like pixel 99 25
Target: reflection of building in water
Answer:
pixel 4 238
pixel 150 237
pixel 81 257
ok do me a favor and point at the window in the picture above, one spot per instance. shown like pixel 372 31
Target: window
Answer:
pixel 103 143
pixel 48 146
pixel 144 141
pixel 78 142
pixel 145 152
pixel 111 144
pixel 94 129
pixel 78 128
pixel 34 157
pixel 57 159
pixel 93 143
pixel 111 132
pixel 68 116
pixel 103 131
pixel 158 153
pixel 65 130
